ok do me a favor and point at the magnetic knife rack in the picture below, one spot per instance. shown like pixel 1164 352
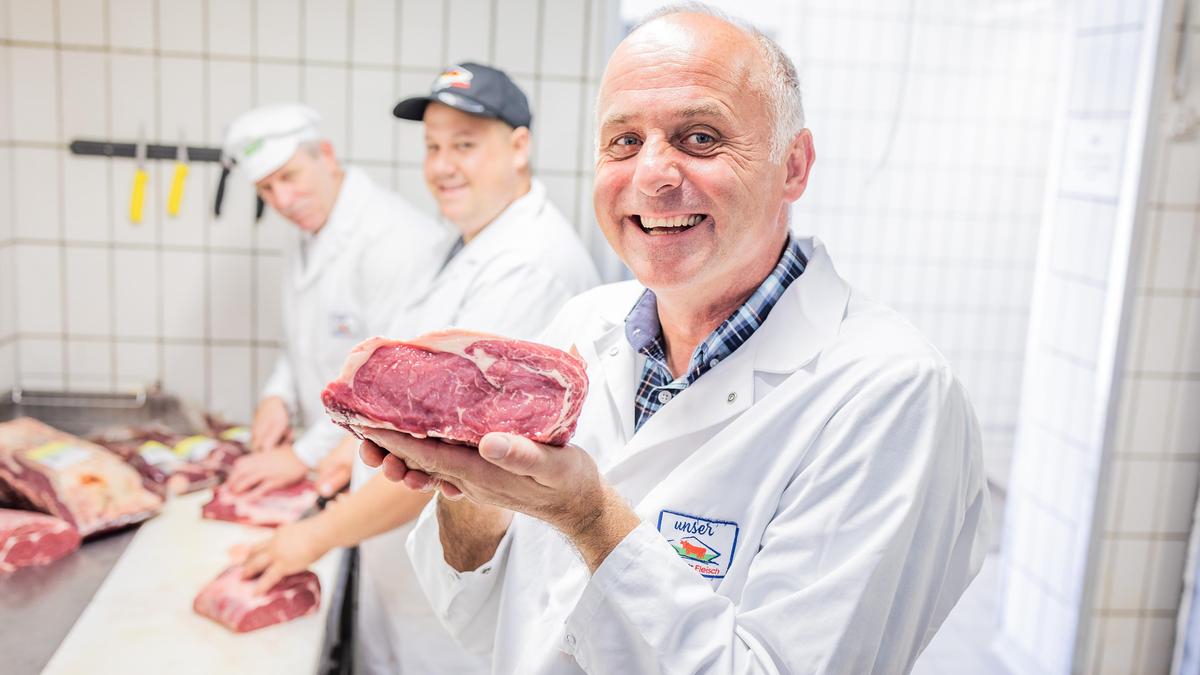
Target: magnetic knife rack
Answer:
pixel 195 153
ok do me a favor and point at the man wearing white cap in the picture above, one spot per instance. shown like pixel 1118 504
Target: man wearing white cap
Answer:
pixel 516 262
pixel 355 257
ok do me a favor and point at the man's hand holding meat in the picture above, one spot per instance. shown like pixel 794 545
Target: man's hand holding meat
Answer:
pixel 559 485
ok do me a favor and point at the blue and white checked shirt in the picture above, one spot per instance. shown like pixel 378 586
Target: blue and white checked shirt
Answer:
pixel 644 332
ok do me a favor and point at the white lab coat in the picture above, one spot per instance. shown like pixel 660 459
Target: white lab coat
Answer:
pixel 828 472
pixel 343 285
pixel 511 279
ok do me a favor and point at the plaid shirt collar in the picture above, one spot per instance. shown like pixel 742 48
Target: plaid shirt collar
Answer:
pixel 644 333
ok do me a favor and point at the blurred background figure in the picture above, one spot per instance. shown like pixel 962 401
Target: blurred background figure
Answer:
pixel 357 254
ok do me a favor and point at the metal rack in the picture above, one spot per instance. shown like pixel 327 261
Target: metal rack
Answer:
pixel 153 151
pixel 194 153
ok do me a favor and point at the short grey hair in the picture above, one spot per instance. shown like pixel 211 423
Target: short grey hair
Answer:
pixel 780 87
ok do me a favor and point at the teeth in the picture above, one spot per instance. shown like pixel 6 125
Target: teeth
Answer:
pixel 673 221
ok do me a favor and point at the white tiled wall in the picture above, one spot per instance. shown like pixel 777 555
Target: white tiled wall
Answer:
pixel 89 301
pixel 929 125
pixel 1105 474
pixel 8 327
pixel 1155 446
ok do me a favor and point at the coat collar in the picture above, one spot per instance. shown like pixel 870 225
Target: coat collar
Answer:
pixel 504 229
pixel 805 319
pixel 503 232
pixel 331 240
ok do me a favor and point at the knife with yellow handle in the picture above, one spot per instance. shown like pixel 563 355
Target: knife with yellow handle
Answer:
pixel 175 197
pixel 137 200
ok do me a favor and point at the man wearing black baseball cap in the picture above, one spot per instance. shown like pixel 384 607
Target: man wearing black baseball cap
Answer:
pixel 474 89
pixel 515 247
pixel 516 263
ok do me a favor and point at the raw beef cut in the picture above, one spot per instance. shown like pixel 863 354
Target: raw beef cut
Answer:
pixel 70 478
pixel 234 603
pixel 28 538
pixel 171 462
pixel 270 509
pixel 460 385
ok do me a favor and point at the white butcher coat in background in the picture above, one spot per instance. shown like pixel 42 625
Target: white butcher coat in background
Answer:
pixel 347 283
pixel 511 279
pixel 826 477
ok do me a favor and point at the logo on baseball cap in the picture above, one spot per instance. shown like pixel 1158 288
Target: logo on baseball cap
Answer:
pixel 474 89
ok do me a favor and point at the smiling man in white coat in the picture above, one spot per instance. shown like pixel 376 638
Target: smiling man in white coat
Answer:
pixel 353 260
pixel 771 474
pixel 516 261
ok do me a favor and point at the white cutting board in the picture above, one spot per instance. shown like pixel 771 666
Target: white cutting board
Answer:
pixel 141 618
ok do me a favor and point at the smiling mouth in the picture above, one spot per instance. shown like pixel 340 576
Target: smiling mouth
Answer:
pixel 669 225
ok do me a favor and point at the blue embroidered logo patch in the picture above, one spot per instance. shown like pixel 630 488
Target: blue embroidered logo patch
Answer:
pixel 706 545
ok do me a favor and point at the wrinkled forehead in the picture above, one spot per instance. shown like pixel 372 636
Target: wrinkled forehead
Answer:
pixel 672 66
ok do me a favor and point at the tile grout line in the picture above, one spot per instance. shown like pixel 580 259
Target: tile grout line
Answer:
pixel 60 165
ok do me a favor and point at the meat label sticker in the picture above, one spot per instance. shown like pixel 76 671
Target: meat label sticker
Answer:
pixel 195 448
pixel 706 545
pixel 237 434
pixel 160 456
pixel 58 455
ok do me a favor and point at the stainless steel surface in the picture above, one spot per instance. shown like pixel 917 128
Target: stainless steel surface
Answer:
pixel 44 602
pixel 80 413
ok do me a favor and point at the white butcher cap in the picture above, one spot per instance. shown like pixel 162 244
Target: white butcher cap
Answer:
pixel 264 139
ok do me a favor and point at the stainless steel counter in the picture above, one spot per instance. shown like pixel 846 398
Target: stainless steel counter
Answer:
pixel 42 603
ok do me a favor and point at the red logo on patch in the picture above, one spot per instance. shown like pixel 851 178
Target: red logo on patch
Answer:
pixel 458 78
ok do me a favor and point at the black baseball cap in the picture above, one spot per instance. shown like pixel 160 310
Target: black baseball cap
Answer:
pixel 474 89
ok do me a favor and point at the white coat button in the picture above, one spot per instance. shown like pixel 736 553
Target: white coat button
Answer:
pixel 664 396
pixel 731 397
pixel 614 351
pixel 485 570
pixel 571 640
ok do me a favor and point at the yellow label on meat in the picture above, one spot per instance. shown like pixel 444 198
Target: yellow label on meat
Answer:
pixel 195 448
pixel 58 455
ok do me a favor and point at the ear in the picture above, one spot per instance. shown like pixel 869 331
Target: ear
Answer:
pixel 798 162
pixel 328 156
pixel 519 138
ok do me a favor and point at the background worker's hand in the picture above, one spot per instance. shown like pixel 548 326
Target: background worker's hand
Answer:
pixel 293 548
pixel 333 472
pixel 264 471
pixel 272 426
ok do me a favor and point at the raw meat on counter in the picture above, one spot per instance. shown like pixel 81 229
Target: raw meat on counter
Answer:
pixel 28 538
pixel 171 462
pixel 459 385
pixel 234 603
pixel 70 478
pixel 269 509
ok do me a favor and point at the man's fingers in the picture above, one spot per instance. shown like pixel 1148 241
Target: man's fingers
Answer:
pixel 269 578
pixel 334 480
pixel 394 468
pixel 419 481
pixel 255 564
pixel 388 438
pixel 239 483
pixel 515 454
pixel 372 455
pixel 239 552
pixel 422 452
pixel 265 485
pixel 450 491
